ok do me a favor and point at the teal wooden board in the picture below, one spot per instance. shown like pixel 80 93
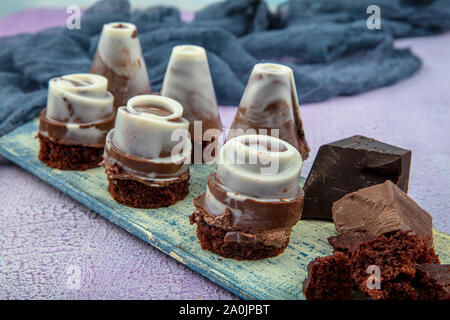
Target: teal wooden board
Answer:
pixel 168 229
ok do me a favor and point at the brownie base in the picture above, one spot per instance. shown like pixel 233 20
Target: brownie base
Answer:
pixel 328 278
pixel 135 194
pixel 396 254
pixel 212 239
pixel 68 157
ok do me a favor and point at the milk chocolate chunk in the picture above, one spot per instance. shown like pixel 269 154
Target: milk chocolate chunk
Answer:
pixel 351 164
pixel 119 58
pixel 379 209
pixel 270 106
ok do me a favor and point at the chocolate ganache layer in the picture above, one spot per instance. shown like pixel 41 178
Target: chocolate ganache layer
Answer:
pixel 270 103
pixel 79 110
pixel 254 194
pixel 119 58
pixel 149 142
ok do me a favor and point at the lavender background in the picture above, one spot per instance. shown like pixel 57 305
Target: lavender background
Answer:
pixel 43 232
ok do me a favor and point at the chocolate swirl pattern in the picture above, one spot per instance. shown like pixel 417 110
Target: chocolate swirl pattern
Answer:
pixel 79 110
pixel 270 102
pixel 188 80
pixel 260 166
pixel 119 58
pixel 150 139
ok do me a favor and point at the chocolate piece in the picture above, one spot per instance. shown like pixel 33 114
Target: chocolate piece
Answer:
pixel 79 114
pixel 351 164
pixel 143 165
pixel 119 58
pixel 347 241
pixel 379 209
pixel 253 199
pixel 328 278
pixel 270 103
pixel 188 81
pixel 433 281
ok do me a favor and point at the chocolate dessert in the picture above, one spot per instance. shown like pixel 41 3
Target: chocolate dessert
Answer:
pixel 188 81
pixel 270 106
pixel 328 278
pixel 119 58
pixel 351 164
pixel 252 200
pixel 147 153
pixel 73 127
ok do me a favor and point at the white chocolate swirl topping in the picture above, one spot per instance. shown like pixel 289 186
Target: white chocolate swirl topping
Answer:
pixel 188 80
pixel 79 98
pixel 270 83
pixel 150 127
pixel 120 49
pixel 259 166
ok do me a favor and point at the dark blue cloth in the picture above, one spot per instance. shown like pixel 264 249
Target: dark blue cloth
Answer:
pixel 327 44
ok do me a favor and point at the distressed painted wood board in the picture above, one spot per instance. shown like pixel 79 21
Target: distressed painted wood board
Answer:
pixel 168 229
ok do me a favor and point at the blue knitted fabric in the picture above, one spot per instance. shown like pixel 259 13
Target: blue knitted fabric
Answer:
pixel 326 43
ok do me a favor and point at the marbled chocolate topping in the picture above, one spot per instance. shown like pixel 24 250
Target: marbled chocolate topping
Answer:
pixel 79 110
pixel 188 80
pixel 119 58
pixel 142 145
pixel 270 102
pixel 251 206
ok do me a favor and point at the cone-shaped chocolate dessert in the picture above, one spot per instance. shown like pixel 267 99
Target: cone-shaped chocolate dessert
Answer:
pixel 188 80
pixel 119 58
pixel 74 125
pixel 270 102
pixel 145 161
pixel 252 200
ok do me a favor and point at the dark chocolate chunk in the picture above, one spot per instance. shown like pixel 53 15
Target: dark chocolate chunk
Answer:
pixel 351 164
pixel 379 209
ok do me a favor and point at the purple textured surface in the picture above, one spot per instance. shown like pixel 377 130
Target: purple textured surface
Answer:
pixel 47 239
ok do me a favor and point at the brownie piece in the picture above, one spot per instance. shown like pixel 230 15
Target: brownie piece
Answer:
pixel 212 238
pixel 396 254
pixel 347 165
pixel 68 157
pixel 328 278
pixel 135 194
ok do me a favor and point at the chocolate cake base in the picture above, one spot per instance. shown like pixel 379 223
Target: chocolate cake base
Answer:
pixel 68 157
pixel 212 239
pixel 396 254
pixel 328 278
pixel 135 194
